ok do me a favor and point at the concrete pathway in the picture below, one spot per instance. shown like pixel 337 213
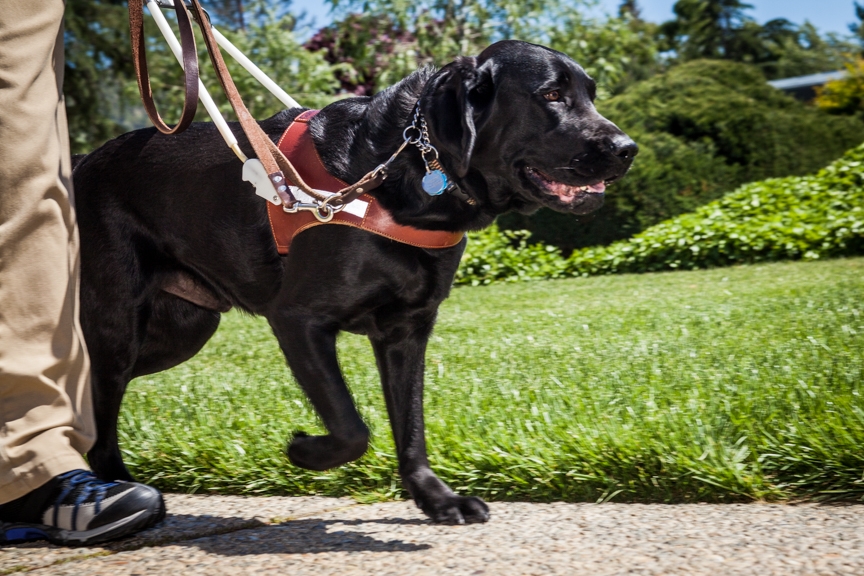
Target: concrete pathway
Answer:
pixel 217 535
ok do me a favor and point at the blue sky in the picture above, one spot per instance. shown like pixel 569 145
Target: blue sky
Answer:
pixel 826 15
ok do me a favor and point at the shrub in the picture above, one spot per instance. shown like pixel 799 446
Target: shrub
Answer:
pixel 495 255
pixel 779 219
pixel 704 128
pixel 845 95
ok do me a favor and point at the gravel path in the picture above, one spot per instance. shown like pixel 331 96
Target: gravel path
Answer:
pixel 217 535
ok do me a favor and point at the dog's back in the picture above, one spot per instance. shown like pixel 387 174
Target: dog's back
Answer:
pixel 76 159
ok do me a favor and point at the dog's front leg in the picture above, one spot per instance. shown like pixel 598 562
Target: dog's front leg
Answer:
pixel 401 362
pixel 311 353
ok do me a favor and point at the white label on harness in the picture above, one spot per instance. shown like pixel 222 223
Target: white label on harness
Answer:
pixel 302 196
pixel 254 172
pixel 357 208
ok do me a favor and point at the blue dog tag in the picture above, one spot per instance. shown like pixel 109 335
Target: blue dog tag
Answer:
pixel 435 182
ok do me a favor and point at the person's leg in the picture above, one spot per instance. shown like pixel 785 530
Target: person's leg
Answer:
pixel 46 419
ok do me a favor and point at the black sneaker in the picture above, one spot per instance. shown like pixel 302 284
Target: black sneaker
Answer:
pixel 78 509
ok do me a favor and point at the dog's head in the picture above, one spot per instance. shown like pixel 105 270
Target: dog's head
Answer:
pixel 522 118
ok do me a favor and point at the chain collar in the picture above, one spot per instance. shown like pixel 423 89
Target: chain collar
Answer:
pixel 436 181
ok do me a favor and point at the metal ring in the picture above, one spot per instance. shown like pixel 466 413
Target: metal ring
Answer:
pixel 381 169
pixel 408 138
pixel 328 215
pixel 334 202
pixel 430 149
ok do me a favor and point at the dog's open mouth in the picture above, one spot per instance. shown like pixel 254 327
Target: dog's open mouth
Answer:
pixel 564 192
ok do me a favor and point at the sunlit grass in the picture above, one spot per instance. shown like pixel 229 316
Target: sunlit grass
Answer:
pixel 730 384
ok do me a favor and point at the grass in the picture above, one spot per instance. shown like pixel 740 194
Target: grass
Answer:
pixel 733 384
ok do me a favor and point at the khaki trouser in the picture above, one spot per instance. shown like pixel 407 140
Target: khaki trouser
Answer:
pixel 46 416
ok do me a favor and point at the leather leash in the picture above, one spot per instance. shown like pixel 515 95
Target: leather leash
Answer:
pixel 275 163
pixel 190 67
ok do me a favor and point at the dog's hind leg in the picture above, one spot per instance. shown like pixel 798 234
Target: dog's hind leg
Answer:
pixel 113 340
pixel 401 363
pixel 159 335
pixel 310 349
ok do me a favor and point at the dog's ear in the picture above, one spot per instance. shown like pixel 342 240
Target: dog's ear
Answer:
pixel 455 104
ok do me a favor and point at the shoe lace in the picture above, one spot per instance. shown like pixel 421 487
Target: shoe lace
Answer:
pixel 87 484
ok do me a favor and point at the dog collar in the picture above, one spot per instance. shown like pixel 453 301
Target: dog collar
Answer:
pixel 436 181
pixel 365 212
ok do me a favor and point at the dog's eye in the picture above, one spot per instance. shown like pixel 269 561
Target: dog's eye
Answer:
pixel 552 96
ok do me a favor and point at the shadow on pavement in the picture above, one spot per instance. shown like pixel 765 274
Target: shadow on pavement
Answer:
pixel 401 521
pixel 304 537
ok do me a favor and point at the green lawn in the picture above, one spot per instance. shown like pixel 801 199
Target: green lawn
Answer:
pixel 728 384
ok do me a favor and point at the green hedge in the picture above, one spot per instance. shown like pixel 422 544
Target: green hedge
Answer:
pixel 809 217
pixel 793 218
pixel 704 128
pixel 495 255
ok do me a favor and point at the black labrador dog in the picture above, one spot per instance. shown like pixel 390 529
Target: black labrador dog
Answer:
pixel 515 127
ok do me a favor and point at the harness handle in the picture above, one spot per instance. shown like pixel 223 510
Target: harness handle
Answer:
pixel 271 157
pixel 274 161
pixel 190 67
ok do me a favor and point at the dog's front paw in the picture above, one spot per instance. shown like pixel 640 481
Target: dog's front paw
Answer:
pixel 456 510
pixel 325 452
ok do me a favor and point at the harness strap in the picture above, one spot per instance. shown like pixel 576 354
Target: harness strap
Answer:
pixel 363 212
pixel 270 157
pixel 275 163
pixel 190 67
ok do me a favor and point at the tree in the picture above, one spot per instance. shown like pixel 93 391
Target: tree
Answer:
pixel 269 40
pixel 798 50
pixel 846 95
pixel 229 13
pixel 629 9
pixel 391 38
pixel 706 28
pixel 858 29
pixel 98 64
pixel 445 29
pixel 616 52
pixel 371 50
pixel 720 29
pixel 102 93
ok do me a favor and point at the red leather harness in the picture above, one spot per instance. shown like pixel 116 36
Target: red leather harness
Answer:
pixel 364 213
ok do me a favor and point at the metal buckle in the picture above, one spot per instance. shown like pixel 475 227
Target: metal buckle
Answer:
pixel 323 212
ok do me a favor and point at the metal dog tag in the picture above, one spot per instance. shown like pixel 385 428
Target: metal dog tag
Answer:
pixel 434 182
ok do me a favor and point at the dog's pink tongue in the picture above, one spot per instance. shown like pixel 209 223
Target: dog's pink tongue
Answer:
pixel 563 190
pixel 568 192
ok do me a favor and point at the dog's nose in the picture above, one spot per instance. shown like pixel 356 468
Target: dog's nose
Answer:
pixel 623 147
